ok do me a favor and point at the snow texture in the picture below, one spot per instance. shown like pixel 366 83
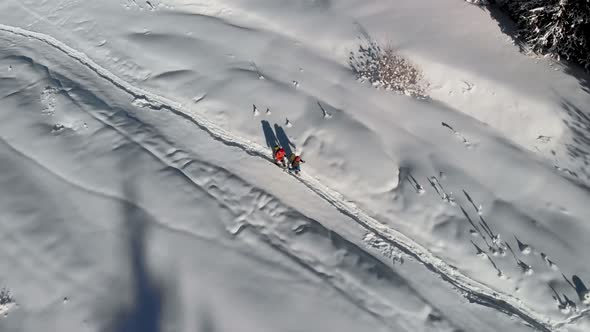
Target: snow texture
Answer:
pixel 140 192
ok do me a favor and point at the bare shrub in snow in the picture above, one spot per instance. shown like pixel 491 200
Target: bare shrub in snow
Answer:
pixel 5 297
pixel 386 69
pixel 560 28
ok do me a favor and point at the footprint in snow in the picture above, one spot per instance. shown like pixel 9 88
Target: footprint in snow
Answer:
pixel 57 128
pixel 543 139
pixel 417 187
pixel 467 86
pixel 255 68
pixel 324 112
pixel 549 262
pixel 564 305
pixel 197 99
pixel 526 269
pixel 479 253
pixel 498 251
pixel 466 142
pixel 524 248
pixel 142 5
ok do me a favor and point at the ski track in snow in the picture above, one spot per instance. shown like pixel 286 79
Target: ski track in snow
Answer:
pixel 255 210
pixel 473 290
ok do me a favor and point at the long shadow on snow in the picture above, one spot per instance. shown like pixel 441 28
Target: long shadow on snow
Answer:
pixel 284 140
pixel 581 288
pixel 582 77
pixel 146 313
pixel 578 123
pixel 206 322
pixel 269 134
pixel 506 24
pixel 280 137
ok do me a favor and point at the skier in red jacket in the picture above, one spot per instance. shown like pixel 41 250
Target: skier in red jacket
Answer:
pixel 279 155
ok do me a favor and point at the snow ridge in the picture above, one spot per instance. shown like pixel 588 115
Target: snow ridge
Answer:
pixel 473 290
pixel 258 212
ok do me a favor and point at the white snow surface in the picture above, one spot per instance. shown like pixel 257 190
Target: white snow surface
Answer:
pixel 139 191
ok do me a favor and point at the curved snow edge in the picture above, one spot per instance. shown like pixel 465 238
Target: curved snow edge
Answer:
pixel 475 291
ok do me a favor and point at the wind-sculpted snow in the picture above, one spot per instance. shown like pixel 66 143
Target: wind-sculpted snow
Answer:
pixel 361 279
pixel 261 215
pixel 296 236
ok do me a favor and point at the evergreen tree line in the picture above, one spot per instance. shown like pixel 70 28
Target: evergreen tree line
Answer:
pixel 560 28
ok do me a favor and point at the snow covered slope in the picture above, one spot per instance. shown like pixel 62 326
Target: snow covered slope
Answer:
pixel 139 192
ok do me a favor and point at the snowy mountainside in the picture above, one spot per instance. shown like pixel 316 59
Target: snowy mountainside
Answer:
pixel 136 111
pixel 209 207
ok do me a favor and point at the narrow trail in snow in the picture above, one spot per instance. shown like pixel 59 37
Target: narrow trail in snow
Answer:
pixel 472 289
pixel 258 212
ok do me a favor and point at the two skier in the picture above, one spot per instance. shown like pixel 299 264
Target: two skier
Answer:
pixel 295 161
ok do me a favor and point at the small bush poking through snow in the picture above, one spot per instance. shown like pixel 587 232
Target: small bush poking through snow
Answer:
pixel 6 301
pixel 5 297
pixel 386 69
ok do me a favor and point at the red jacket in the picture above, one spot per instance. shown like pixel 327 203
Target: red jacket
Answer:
pixel 280 154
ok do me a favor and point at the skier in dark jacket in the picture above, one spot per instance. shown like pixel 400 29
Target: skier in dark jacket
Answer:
pixel 296 162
